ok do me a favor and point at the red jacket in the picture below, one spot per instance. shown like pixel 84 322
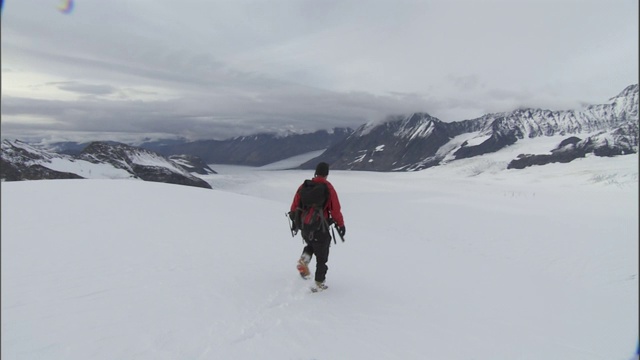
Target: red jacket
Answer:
pixel 331 208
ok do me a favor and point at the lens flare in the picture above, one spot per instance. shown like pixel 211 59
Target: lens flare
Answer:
pixel 66 6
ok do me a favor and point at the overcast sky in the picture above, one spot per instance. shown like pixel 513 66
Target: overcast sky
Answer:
pixel 216 69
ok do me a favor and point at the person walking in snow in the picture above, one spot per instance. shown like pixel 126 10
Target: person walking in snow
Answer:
pixel 314 209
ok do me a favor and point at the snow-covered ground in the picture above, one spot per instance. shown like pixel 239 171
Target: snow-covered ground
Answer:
pixel 464 261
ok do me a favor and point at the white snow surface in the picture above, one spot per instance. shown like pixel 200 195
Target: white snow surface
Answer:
pixel 87 169
pixel 449 263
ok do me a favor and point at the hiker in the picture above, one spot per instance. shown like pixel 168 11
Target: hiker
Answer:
pixel 317 237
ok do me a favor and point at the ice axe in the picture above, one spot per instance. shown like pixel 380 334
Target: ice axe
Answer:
pixel 334 234
pixel 294 231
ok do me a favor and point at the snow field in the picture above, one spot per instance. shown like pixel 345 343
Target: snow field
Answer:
pixel 497 266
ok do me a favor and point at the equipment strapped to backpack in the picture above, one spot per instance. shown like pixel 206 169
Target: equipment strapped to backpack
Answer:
pixel 309 217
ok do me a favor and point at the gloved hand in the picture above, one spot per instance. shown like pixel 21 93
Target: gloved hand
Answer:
pixel 292 215
pixel 342 230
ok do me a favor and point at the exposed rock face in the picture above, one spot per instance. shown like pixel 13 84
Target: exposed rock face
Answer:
pixel 14 172
pixel 192 164
pixel 619 141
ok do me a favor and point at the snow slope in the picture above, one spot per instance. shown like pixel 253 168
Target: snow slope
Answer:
pixel 449 263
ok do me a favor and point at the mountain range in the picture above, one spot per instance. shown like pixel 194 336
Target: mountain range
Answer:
pixel 21 161
pixel 399 143
pixel 255 150
pixel 419 141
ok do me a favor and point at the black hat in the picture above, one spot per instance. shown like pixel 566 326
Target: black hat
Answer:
pixel 322 169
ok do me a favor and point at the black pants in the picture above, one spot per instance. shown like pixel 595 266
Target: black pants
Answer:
pixel 318 245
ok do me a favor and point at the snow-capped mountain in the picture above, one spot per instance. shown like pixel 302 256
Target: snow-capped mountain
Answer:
pixel 99 160
pixel 419 141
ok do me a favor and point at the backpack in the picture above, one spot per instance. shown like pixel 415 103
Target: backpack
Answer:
pixel 309 217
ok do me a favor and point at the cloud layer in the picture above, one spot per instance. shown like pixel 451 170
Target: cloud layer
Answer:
pixel 219 69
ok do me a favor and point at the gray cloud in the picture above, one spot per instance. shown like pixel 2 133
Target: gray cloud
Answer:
pixel 209 116
pixel 218 69
pixel 90 89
